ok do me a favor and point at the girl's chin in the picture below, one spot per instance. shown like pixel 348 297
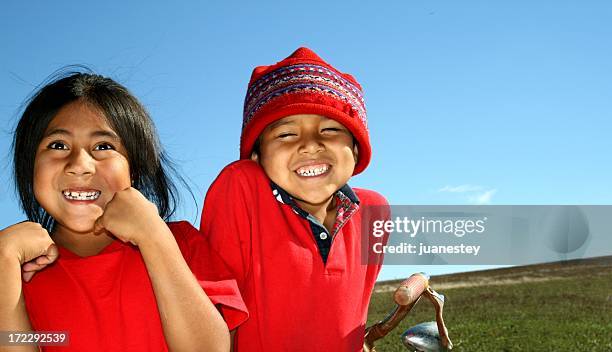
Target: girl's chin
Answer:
pixel 84 228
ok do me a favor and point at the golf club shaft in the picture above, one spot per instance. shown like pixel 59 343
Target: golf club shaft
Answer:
pixel 405 296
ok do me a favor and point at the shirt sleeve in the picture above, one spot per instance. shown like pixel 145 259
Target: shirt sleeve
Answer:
pixel 374 207
pixel 209 271
pixel 224 294
pixel 384 213
pixel 226 219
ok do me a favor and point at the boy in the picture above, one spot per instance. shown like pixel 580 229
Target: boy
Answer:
pixel 283 218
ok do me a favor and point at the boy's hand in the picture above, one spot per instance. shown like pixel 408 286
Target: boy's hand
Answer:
pixel 31 246
pixel 130 217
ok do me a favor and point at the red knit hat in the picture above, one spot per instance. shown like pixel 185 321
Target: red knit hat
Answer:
pixel 304 84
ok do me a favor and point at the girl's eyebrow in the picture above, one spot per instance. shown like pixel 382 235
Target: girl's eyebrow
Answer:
pixel 99 133
pixel 104 133
pixel 58 131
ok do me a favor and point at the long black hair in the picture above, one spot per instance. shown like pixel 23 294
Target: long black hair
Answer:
pixel 149 165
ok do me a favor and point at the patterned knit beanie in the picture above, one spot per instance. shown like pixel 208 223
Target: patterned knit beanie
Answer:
pixel 304 84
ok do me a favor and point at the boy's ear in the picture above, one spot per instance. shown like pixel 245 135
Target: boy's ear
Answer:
pixel 355 152
pixel 255 157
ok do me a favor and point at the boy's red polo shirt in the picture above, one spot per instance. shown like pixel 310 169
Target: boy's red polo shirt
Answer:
pixel 296 302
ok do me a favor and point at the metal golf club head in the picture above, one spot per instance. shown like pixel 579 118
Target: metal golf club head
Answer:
pixel 431 336
pixel 423 337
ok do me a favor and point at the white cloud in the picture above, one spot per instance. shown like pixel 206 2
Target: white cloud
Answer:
pixel 473 194
pixel 461 188
pixel 483 198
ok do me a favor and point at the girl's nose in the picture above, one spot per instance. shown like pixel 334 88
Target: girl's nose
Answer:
pixel 80 162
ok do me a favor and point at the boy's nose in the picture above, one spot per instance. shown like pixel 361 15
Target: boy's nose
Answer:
pixel 311 144
pixel 80 163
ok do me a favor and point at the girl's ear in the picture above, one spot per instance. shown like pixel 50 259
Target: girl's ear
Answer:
pixel 255 157
pixel 355 152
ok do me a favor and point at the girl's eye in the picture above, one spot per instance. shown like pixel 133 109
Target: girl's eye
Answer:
pixel 104 146
pixel 57 146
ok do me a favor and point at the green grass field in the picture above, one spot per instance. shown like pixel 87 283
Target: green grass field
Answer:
pixel 564 306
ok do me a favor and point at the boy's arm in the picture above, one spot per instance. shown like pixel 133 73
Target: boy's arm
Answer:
pixel 226 219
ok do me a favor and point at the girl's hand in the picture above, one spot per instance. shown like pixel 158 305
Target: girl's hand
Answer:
pixel 31 245
pixel 130 217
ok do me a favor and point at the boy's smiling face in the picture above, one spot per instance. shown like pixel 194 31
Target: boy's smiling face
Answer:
pixel 309 156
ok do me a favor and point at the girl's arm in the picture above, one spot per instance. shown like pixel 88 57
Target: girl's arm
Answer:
pixel 19 244
pixel 13 315
pixel 189 319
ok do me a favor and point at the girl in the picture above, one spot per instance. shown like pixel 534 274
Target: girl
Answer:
pixel 109 271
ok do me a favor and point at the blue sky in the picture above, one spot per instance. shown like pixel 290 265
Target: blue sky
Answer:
pixel 468 102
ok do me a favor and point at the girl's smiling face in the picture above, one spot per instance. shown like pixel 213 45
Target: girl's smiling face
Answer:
pixel 80 164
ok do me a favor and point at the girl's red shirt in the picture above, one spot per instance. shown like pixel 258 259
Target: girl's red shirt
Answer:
pixel 106 302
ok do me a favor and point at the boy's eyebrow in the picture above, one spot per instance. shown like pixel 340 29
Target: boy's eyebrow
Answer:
pixel 279 123
pixel 99 133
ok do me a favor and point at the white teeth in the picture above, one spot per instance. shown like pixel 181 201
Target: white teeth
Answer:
pixel 312 171
pixel 73 195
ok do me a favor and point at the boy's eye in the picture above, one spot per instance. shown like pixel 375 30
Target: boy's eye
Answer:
pixel 286 135
pixel 104 146
pixel 331 129
pixel 57 145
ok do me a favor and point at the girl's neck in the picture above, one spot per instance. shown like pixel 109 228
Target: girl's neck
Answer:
pixel 81 244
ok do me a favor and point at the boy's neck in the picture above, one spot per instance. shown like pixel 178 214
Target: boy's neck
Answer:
pixel 324 212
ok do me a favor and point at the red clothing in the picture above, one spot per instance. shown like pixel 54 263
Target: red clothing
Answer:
pixel 295 301
pixel 106 301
